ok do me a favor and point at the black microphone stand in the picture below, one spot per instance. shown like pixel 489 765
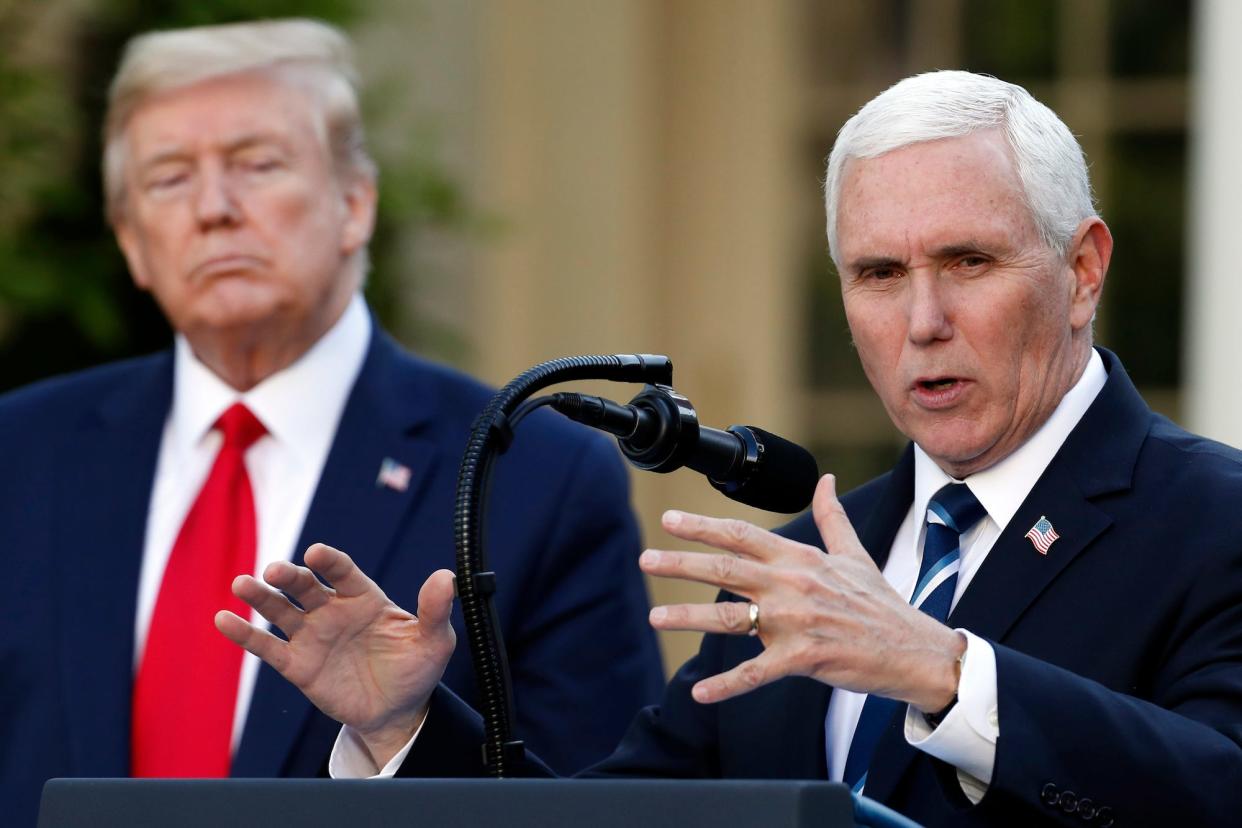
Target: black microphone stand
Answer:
pixel 491 435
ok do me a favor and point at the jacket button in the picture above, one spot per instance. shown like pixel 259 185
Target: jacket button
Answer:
pixel 1086 809
pixel 1049 794
pixel 1105 816
pixel 1069 802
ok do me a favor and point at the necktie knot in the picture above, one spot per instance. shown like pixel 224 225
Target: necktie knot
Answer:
pixel 240 427
pixel 957 507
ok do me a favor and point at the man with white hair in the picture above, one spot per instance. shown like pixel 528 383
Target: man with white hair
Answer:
pixel 243 198
pixel 1035 617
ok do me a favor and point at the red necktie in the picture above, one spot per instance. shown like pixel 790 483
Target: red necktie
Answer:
pixel 185 693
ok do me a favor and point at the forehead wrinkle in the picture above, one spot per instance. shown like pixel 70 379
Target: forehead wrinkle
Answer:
pixel 964 191
pixel 997 229
pixel 290 99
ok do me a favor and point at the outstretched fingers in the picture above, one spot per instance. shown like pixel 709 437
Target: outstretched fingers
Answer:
pixel 269 603
pixel 833 523
pixel 262 643
pixel 435 599
pixel 731 535
pixel 718 617
pixel 299 583
pixel 339 570
pixel 738 575
pixel 749 675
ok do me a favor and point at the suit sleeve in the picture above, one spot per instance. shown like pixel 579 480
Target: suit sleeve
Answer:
pixel 678 738
pixel 582 655
pixel 450 744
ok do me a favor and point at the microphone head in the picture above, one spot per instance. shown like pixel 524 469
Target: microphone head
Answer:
pixel 783 479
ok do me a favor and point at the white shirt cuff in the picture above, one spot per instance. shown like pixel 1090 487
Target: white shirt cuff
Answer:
pixel 350 758
pixel 966 738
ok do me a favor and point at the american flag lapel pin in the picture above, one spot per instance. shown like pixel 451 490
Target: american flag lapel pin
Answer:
pixel 393 475
pixel 1042 535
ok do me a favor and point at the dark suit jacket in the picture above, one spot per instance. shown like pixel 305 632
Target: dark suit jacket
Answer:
pixel 78 457
pixel 1118 654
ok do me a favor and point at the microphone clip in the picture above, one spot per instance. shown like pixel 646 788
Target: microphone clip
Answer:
pixel 663 441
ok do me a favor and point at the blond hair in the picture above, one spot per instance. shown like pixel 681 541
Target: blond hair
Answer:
pixel 306 51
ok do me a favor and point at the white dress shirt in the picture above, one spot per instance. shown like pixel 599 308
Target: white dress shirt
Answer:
pixel 967 737
pixel 301 408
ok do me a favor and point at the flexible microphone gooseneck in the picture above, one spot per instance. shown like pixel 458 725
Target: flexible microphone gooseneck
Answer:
pixel 490 435
pixel 658 431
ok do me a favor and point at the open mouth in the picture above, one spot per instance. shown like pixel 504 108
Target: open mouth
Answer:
pixel 939 392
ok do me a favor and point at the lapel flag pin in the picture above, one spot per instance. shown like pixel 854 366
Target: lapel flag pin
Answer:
pixel 393 475
pixel 1042 535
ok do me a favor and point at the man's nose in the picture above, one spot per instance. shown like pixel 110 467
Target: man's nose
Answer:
pixel 215 202
pixel 930 317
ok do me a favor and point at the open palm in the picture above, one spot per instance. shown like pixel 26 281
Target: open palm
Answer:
pixel 356 655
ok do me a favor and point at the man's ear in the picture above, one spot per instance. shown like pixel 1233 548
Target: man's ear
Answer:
pixel 127 240
pixel 360 195
pixel 1088 256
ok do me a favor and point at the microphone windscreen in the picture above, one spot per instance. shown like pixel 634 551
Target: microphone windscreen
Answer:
pixel 784 480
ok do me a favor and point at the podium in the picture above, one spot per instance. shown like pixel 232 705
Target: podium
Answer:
pixel 519 803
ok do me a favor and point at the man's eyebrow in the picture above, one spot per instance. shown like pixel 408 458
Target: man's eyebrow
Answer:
pixel 869 262
pixel 254 139
pixel 237 144
pixel 163 157
pixel 947 251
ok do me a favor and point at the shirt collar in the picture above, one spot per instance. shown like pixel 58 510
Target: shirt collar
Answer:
pixel 299 405
pixel 1002 488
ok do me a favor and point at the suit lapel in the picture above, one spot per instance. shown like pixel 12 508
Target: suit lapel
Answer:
pixel 1096 459
pixel 104 481
pixel 1015 572
pixel 353 511
pixel 878 529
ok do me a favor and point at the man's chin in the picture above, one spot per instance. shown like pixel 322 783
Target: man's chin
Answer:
pixel 233 318
pixel 958 455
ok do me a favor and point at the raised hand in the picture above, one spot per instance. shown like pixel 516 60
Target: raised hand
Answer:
pixel 356 655
pixel 832 617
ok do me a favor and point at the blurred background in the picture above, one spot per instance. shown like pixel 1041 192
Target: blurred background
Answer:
pixel 594 176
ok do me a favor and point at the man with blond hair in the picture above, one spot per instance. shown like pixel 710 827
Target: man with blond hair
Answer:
pixel 242 196
pixel 1034 618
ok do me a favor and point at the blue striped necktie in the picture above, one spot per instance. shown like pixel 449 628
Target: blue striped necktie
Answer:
pixel 951 513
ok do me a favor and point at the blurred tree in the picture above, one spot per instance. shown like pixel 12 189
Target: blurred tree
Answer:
pixel 66 300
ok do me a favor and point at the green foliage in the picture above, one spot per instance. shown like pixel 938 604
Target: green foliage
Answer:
pixel 66 300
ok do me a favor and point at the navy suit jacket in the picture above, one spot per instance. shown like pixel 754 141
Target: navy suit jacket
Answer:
pixel 78 457
pixel 1118 654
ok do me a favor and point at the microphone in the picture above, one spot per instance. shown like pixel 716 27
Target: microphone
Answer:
pixel 659 431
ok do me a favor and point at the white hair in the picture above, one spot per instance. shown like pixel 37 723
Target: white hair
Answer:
pixel 310 52
pixel 949 104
